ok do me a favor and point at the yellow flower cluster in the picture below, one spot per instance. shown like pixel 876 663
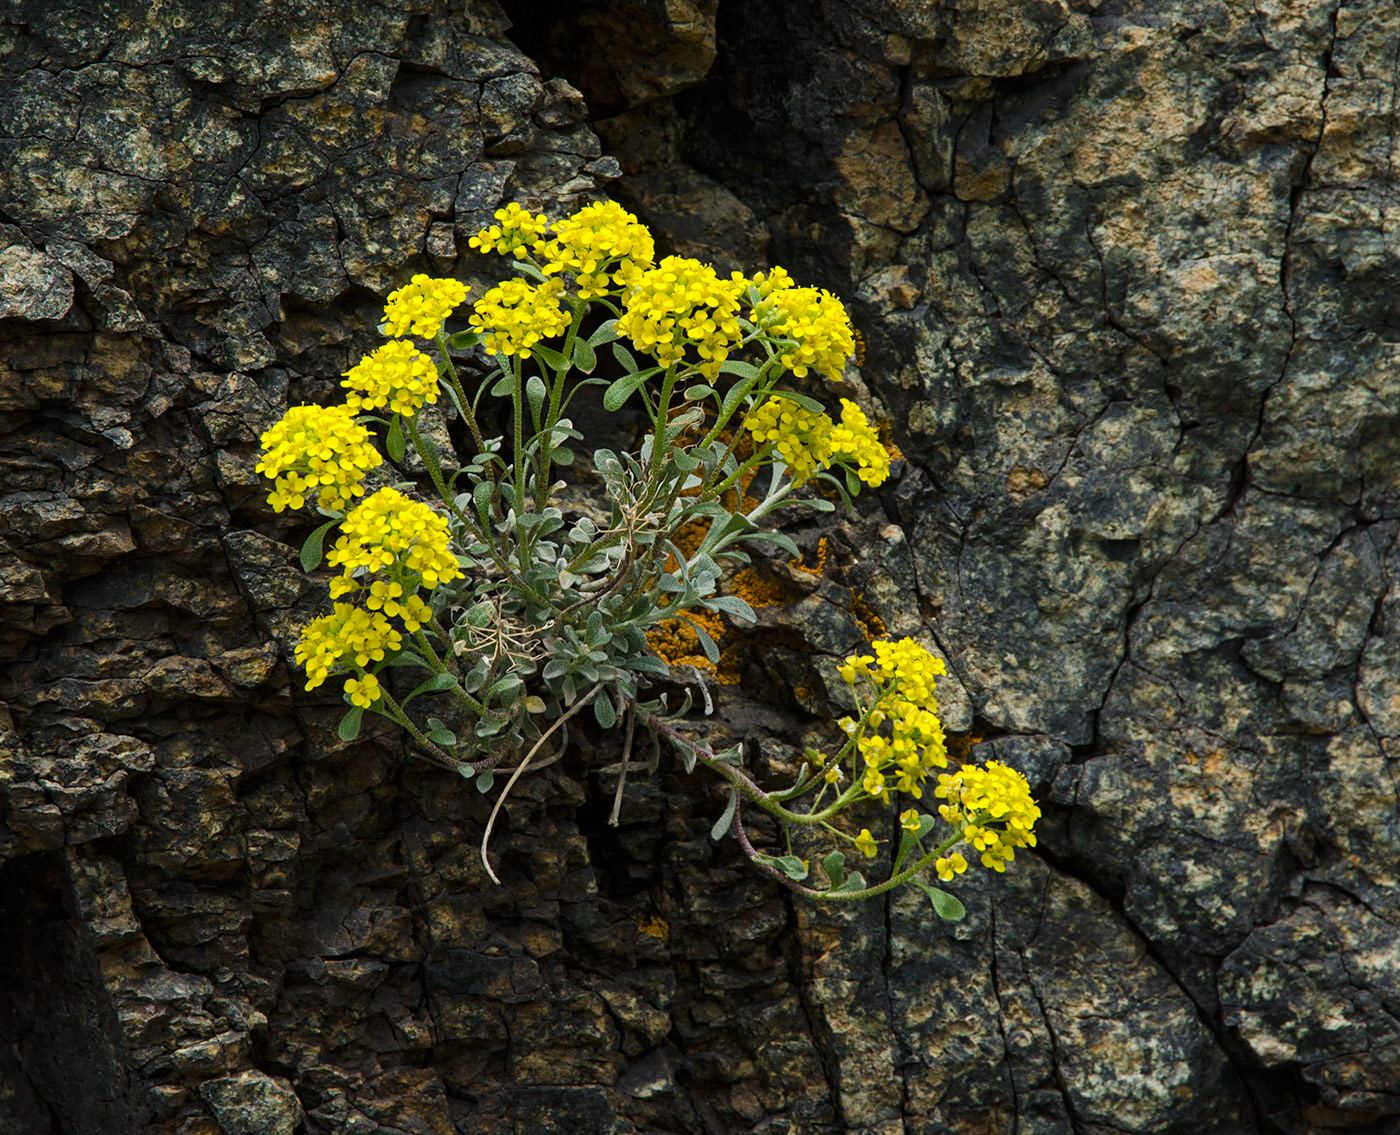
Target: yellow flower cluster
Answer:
pixel 978 797
pixel 904 675
pixel 855 442
pixel 517 229
pixel 397 375
pixel 801 437
pixel 807 441
pixel 812 318
pixel 515 315
pixel 682 303
pixel 390 531
pixel 597 240
pixel 421 305
pixel 318 449
pixel 347 636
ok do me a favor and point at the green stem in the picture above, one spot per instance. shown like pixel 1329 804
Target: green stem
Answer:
pixel 450 372
pixel 894 880
pixel 430 751
pixel 740 780
pixel 556 396
pixel 435 472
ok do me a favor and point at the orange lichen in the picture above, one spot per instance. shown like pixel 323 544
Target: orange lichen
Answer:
pixel 960 746
pixel 886 436
pixel 675 639
pixel 821 560
pixel 655 927
pixel 870 622
pixel 757 591
pixel 860 347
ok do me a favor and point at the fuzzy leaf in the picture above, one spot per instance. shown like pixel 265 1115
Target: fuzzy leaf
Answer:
pixel 731 605
pixel 553 358
pixel 794 868
pixel 349 727
pixel 739 367
pixel 535 392
pixel 621 390
pixel 311 549
pixel 393 441
pixel 707 644
pixel 946 906
pixel 584 357
pixel 855 881
pixel 624 358
pixel 835 867
pixel 435 684
pixel 722 825
pixel 604 711
pixel 606 333
pixel 908 840
pixel 802 400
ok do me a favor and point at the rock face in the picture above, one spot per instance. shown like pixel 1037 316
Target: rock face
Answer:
pixel 1126 275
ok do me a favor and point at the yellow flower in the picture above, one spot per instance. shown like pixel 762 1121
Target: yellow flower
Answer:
pixel 812 318
pixel 347 633
pixel 363 692
pixel 390 531
pixel 316 449
pixel 421 305
pixel 515 315
pixel 683 305
pixel 801 438
pixel 855 442
pixel 948 866
pixel 600 239
pixel 397 375
pixel 517 229
pixel 866 844
pixel 874 784
pixel 909 820
pixel 769 282
pixel 833 775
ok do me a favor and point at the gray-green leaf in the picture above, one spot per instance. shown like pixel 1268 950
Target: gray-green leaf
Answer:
pixel 349 727
pixel 722 825
pixel 946 906
pixel 311 549
pixel 835 867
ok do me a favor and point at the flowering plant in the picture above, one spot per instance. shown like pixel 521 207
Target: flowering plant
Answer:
pixel 523 608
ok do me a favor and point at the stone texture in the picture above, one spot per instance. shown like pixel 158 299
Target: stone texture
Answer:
pixel 1125 275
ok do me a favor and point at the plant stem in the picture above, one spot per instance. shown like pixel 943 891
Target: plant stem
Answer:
pixel 519 769
pixel 626 757
pixel 767 869
pixel 430 751
pixel 450 372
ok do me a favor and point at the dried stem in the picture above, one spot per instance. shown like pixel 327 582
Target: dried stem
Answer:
pixel 520 768
pixel 626 757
